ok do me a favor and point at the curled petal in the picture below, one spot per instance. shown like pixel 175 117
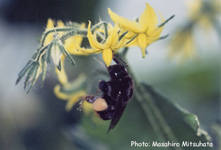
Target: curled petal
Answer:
pixel 82 50
pixel 112 38
pixel 119 44
pixel 89 51
pixel 59 94
pixel 71 45
pixel 93 42
pixel 125 23
pixel 62 76
pixel 107 56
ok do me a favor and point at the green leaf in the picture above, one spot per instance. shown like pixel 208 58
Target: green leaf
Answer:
pixel 174 123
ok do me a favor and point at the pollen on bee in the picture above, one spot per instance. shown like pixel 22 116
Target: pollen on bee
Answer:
pixel 100 104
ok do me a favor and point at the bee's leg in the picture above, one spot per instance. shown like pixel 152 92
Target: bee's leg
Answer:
pixel 90 98
pixel 103 86
pixel 120 61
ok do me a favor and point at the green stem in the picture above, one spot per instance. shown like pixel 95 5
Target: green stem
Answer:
pixel 54 30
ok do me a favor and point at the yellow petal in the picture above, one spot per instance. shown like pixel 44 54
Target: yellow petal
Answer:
pixel 50 24
pixel 125 23
pixel 107 56
pixel 119 44
pixel 74 99
pixel 132 43
pixel 152 22
pixel 130 35
pixel 155 35
pixel 142 43
pixel 59 94
pixel 71 103
pixel 60 23
pixel 93 42
pixel 144 19
pixel 112 38
pixel 79 38
pixel 49 38
pixel 87 50
pixel 71 45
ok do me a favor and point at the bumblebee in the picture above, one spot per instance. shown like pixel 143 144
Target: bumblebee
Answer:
pixel 116 93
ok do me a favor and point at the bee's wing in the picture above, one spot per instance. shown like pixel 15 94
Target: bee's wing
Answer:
pixel 120 106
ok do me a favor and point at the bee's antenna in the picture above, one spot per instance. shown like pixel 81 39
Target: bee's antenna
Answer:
pixel 97 60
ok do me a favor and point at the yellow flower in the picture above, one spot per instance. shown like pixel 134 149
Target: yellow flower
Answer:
pixel 204 12
pixel 145 28
pixel 71 46
pixel 111 44
pixel 202 16
pixel 182 45
pixel 64 92
pixel 70 43
pixel 72 98
pixel 72 92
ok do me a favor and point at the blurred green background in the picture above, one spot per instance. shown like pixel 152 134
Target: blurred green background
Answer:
pixel 38 121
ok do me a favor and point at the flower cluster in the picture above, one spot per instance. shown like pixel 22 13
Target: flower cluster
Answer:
pixel 202 14
pixel 63 40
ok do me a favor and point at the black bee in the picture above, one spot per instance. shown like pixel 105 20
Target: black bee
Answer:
pixel 116 93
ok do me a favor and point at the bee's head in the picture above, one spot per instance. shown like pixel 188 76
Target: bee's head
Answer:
pixel 117 71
